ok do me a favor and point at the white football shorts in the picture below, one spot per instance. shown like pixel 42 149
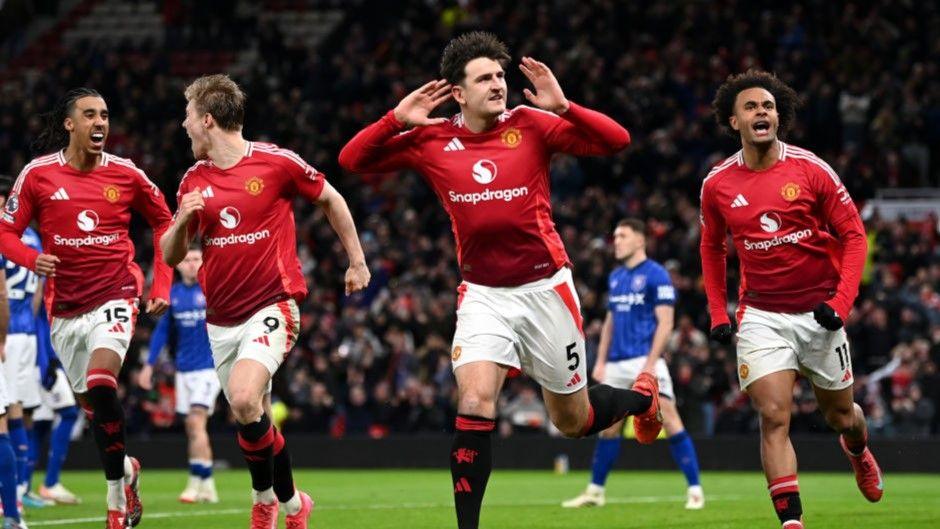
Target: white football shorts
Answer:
pixel 773 341
pixel 535 327
pixel 60 396
pixel 20 370
pixel 108 326
pixel 622 374
pixel 266 337
pixel 196 388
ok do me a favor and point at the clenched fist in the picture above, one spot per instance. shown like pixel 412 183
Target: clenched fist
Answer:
pixel 189 204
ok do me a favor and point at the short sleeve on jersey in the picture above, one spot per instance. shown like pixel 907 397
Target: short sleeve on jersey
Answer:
pixel 663 293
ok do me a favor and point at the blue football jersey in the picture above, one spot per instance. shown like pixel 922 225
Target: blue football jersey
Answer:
pixel 632 300
pixel 21 286
pixel 186 320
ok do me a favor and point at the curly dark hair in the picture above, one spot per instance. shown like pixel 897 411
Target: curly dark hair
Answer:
pixel 787 99
pixel 463 49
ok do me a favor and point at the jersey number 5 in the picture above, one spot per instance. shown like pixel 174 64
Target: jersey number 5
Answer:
pixel 572 357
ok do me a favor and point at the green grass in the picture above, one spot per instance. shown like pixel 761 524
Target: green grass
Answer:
pixel 417 499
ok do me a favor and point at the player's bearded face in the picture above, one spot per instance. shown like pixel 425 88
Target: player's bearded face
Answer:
pixel 755 116
pixel 88 124
pixel 483 90
pixel 196 130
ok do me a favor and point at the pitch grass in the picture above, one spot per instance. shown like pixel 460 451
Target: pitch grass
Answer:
pixel 418 499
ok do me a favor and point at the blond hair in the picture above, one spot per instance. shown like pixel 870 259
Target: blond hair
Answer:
pixel 219 96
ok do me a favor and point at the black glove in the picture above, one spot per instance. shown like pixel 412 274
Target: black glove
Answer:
pixel 52 373
pixel 722 333
pixel 827 317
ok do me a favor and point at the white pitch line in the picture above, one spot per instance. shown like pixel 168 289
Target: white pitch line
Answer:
pixel 175 514
pixel 389 506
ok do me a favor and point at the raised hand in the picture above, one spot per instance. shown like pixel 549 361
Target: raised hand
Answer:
pixel 415 108
pixel 189 204
pixel 548 94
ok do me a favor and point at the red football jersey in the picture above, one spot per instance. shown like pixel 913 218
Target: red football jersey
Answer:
pixel 247 230
pixel 798 236
pixel 494 184
pixel 83 220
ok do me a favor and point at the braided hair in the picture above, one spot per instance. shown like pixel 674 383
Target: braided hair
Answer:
pixel 53 136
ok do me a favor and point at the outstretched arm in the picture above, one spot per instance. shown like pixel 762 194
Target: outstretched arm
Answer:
pixel 380 147
pixel 580 131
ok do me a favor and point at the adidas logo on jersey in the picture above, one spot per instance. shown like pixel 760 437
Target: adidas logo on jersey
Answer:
pixel 454 145
pixel 739 201
pixel 117 328
pixel 263 340
pixel 60 194
pixel 207 192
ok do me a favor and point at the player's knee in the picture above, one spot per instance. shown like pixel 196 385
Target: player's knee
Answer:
pixel 841 420
pixel 193 424
pixel 774 416
pixel 475 403
pixel 245 407
pixel 571 428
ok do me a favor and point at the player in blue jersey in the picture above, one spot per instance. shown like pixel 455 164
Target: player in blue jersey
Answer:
pixel 8 474
pixel 19 369
pixel 58 402
pixel 639 322
pixel 197 384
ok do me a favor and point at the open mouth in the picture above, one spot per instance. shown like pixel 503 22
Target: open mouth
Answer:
pixel 97 139
pixel 496 97
pixel 761 128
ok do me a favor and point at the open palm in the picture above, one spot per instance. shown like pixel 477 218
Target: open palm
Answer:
pixel 548 94
pixel 415 108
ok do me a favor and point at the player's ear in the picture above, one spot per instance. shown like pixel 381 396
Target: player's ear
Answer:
pixel 457 91
pixel 733 121
pixel 68 124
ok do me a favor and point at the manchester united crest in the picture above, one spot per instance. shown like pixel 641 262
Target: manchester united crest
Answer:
pixel 744 371
pixel 112 193
pixel 254 185
pixel 790 191
pixel 454 356
pixel 511 137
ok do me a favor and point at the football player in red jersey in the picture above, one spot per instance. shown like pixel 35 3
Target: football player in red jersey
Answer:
pixel 82 197
pixel 239 198
pixel 517 306
pixel 802 246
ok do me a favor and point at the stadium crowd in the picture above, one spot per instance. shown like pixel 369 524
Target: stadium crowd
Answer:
pixel 379 362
